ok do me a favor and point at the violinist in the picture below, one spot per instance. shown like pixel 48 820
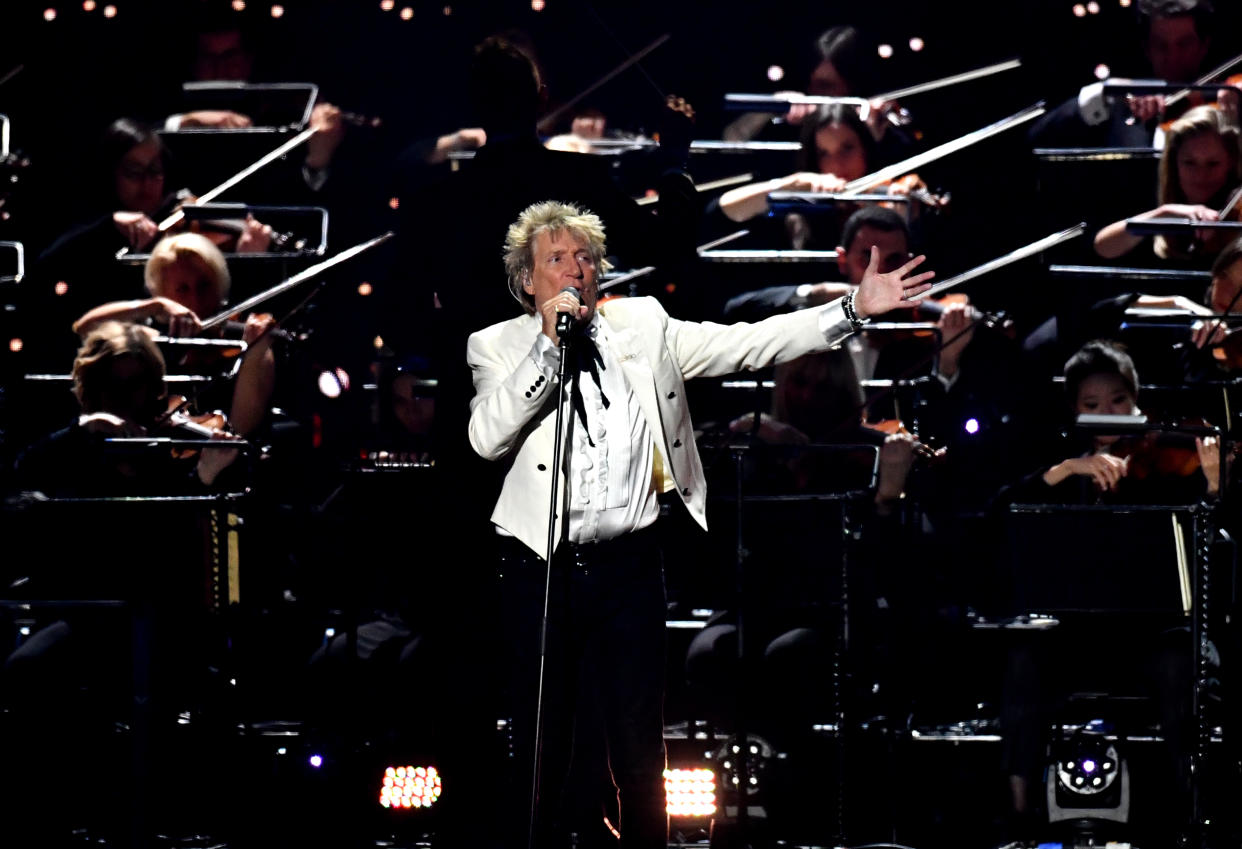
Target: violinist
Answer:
pixel 836 149
pixel 1198 171
pixel 844 66
pixel 188 279
pixel 118 380
pixel 1101 379
pixel 1176 38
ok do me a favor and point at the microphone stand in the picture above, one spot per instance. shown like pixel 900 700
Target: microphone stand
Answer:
pixel 557 459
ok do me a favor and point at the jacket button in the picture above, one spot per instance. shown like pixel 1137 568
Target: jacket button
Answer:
pixel 686 491
pixel 541 467
pixel 672 395
pixel 527 394
pixel 676 443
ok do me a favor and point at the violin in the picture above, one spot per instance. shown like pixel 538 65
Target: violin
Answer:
pixel 193 426
pixel 1158 455
pixel 913 185
pixel 922 450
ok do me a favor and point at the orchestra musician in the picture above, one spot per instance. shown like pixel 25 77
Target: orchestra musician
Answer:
pixel 1101 379
pixel 188 279
pixel 1176 38
pixel 1199 169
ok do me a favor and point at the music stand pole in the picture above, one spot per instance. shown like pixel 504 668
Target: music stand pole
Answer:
pixel 557 458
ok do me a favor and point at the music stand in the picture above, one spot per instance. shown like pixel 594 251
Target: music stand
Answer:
pixel 133 576
pixel 847 473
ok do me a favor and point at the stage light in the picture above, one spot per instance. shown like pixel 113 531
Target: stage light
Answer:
pixel 410 787
pixel 61 287
pixel 15 345
pixel 239 5
pixel 1089 780
pixel 1125 4
pixel 690 792
pixel 109 11
pixel 406 14
pixel 537 5
pixel 365 289
pixel 393 203
pixel 88 5
pixel 378 342
pixel 776 73
pixel 448 10
pixel 278 11
pixel 885 51
pixel 330 384
pixel 1080 11
pixel 49 14
pixel 387 5
pixel 1103 72
pixel 1093 7
pixel 916 44
pixel 971 426
pixel 316 761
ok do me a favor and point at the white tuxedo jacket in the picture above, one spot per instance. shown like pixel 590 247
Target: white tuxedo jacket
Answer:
pixel 512 414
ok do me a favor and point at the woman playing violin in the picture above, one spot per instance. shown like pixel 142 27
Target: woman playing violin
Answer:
pixel 1198 171
pixel 188 279
pixel 837 148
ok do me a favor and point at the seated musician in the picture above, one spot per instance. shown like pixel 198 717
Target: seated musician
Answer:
pixel 1199 170
pixel 118 380
pixel 189 282
pixel 844 67
pixel 837 148
pixel 1176 39
pixel 1100 379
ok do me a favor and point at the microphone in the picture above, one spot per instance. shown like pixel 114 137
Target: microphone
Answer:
pixel 565 320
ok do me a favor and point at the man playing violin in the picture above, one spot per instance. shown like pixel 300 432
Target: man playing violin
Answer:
pixel 1176 38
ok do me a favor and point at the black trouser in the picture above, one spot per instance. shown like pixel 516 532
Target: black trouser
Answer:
pixel 604 666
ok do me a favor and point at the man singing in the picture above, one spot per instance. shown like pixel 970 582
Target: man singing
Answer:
pixel 628 439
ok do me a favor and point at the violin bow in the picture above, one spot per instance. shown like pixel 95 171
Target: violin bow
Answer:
pixel 1033 248
pixel 296 280
pixel 757 102
pixel 1230 204
pixel 552 117
pixel 898 169
pixel 265 160
pixel 1219 70
pixel 945 82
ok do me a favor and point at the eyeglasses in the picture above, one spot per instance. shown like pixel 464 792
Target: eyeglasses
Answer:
pixel 154 171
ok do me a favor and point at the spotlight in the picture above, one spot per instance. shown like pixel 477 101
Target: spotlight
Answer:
pixel 916 44
pixel 49 14
pixel 316 761
pixel 1125 4
pixel 88 5
pixel 1093 7
pixel 690 792
pixel 1103 72
pixel 1080 11
pixel 278 11
pixel 109 11
pixel 410 787
pixel 1089 780
pixel 61 287
pixel 15 345
pixel 365 289
pixel 448 10
pixel 406 14
pixel 537 5
pixel 393 203
pixel 776 73
pixel 971 426
pixel 885 51
pixel 333 382
pixel 387 5
pixel 239 5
